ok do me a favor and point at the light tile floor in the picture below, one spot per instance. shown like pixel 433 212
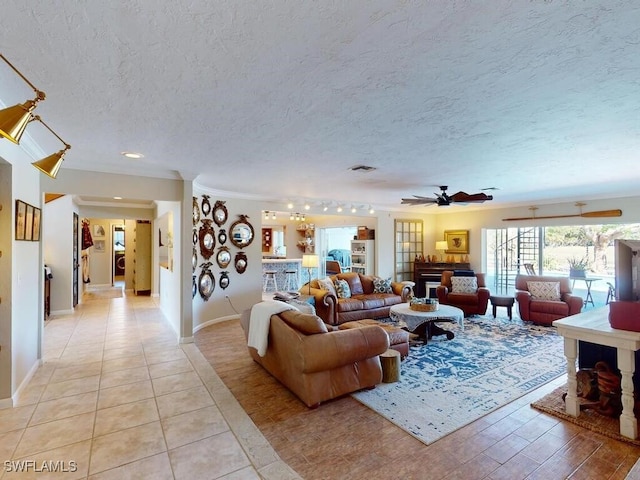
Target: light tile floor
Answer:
pixel 120 398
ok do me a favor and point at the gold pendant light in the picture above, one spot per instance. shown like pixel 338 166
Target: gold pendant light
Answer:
pixel 14 120
pixel 51 164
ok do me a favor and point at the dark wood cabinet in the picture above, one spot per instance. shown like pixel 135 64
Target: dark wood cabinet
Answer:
pixel 426 274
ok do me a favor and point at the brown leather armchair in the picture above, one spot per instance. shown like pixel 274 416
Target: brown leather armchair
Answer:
pixel 317 364
pixel 545 311
pixel 470 303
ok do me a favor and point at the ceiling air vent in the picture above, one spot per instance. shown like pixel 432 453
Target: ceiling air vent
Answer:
pixel 362 168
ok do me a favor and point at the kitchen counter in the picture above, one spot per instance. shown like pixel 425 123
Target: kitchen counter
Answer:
pixel 280 266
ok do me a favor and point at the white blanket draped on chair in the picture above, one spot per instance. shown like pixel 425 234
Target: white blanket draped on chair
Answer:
pixel 259 323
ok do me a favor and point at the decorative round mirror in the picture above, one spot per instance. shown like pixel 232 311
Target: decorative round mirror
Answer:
pixel 240 262
pixel 207 239
pixel 196 211
pixel 224 280
pixel 220 213
pixel 222 236
pixel 195 237
pixel 205 205
pixel 194 287
pixel 194 260
pixel 223 258
pixel 206 282
pixel 241 232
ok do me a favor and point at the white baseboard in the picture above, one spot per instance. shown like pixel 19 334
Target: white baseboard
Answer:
pixel 26 381
pixel 215 320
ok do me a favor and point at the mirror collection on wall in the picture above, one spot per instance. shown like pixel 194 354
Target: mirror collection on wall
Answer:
pixel 241 235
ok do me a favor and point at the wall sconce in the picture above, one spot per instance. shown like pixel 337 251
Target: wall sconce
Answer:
pixel 51 164
pixel 353 209
pixel 14 120
pixel 371 210
pixel 266 214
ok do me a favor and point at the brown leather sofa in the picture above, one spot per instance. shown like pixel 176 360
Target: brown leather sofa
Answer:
pixel 469 303
pixel 364 303
pixel 544 312
pixel 317 364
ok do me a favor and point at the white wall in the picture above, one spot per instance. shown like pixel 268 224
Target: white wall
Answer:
pixel 6 277
pixel 57 241
pixel 168 281
pixel 21 264
pixel 244 289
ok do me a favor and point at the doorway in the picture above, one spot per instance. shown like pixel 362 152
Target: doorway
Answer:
pixel 334 243
pixel 119 259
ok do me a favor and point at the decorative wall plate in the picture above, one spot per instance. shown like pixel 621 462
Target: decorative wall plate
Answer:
pixel 240 262
pixel 206 281
pixel 205 205
pixel 194 260
pixel 220 213
pixel 224 280
pixel 241 232
pixel 196 211
pixel 223 258
pixel 195 237
pixel 194 286
pixel 222 236
pixel 207 239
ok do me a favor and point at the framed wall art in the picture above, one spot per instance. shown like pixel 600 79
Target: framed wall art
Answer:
pixel 457 241
pixel 98 231
pixel 28 223
pixel 21 214
pixel 37 215
pixel 99 246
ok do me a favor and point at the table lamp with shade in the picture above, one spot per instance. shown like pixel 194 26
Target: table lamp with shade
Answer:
pixel 310 261
pixel 441 246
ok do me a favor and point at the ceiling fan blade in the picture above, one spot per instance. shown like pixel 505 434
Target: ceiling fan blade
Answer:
pixel 418 200
pixel 463 197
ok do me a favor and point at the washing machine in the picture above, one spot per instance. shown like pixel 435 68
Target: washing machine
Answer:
pixel 119 260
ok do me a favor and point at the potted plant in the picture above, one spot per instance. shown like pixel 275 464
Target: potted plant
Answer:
pixel 578 267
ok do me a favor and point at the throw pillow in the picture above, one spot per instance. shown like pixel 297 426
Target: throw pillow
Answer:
pixel 380 285
pixel 464 284
pixel 544 290
pixel 327 284
pixel 342 289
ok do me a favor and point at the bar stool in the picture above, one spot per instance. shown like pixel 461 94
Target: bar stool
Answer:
pixel 291 280
pixel 270 281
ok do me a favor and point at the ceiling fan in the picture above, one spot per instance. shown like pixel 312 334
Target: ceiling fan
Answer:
pixel 443 199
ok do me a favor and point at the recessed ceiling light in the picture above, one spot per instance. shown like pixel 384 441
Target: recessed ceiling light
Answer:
pixel 117 198
pixel 132 154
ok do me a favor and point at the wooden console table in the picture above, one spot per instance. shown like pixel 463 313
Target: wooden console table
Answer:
pixel 593 326
pixel 426 272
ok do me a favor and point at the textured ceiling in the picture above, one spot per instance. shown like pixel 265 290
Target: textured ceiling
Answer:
pixel 277 100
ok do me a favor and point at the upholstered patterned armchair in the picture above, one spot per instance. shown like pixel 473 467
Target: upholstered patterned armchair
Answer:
pixel 469 293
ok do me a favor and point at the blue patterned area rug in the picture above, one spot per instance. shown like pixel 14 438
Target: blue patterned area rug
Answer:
pixel 448 384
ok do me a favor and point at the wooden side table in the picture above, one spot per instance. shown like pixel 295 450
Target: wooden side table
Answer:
pixel 497 301
pixel 390 361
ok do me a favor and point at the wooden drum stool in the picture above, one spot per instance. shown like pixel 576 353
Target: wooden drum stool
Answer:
pixel 390 361
pixel 502 302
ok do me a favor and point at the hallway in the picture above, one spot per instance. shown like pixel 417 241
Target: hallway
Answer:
pixel 118 397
